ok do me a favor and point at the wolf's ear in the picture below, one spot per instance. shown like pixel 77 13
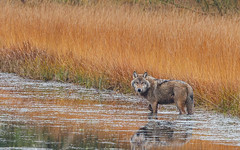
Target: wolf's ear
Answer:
pixel 145 74
pixel 135 75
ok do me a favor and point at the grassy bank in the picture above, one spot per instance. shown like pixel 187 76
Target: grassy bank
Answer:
pixel 221 7
pixel 101 45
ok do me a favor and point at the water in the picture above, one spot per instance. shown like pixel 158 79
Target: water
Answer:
pixel 53 115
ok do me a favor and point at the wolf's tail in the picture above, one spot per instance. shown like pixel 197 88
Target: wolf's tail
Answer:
pixel 190 101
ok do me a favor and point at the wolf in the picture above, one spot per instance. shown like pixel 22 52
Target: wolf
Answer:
pixel 161 91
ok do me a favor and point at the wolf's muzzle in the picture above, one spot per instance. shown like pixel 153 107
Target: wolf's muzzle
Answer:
pixel 139 90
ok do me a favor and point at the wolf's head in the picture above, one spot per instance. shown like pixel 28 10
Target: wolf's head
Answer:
pixel 140 83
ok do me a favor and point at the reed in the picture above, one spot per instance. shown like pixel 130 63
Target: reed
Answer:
pixel 101 45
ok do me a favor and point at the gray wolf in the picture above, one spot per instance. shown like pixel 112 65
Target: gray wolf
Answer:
pixel 161 91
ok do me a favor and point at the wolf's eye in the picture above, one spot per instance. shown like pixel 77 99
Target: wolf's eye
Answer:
pixel 143 83
pixel 136 82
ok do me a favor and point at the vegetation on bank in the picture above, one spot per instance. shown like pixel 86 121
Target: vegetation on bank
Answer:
pixel 101 45
pixel 201 6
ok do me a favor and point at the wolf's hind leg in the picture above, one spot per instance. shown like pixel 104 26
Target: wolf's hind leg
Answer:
pixel 190 106
pixel 181 107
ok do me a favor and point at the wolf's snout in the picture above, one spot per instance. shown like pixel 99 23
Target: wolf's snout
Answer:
pixel 139 90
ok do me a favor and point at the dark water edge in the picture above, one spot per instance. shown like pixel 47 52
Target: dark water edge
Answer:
pixel 53 115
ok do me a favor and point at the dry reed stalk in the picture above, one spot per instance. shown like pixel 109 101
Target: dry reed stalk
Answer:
pixel 113 41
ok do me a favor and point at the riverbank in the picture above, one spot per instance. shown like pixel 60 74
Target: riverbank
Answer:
pixel 101 45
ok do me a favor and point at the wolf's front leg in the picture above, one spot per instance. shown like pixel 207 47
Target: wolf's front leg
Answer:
pixel 154 107
pixel 150 108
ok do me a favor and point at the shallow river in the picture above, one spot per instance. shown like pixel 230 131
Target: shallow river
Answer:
pixel 53 115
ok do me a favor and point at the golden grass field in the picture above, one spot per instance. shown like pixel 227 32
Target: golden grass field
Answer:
pixel 101 45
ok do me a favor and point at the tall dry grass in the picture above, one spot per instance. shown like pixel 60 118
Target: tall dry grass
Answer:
pixel 101 45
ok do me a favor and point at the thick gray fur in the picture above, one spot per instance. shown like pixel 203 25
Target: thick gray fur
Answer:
pixel 161 91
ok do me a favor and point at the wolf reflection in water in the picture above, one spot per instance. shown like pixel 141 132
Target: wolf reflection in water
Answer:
pixel 156 134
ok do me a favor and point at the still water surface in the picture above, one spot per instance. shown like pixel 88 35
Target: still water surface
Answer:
pixel 53 115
